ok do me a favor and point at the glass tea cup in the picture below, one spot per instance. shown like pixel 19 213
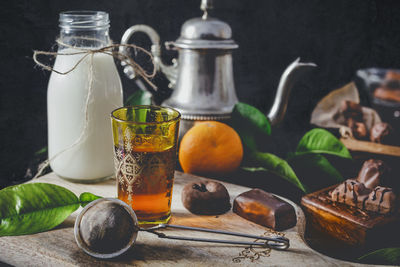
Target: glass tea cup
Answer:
pixel 145 143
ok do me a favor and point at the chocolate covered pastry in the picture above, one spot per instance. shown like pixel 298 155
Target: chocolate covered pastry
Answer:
pixel 366 192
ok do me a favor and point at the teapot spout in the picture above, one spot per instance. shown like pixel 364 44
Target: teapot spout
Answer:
pixel 288 78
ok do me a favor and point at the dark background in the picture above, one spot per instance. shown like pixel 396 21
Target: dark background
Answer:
pixel 339 36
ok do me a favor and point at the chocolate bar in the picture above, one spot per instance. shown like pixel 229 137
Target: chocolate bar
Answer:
pixel 265 209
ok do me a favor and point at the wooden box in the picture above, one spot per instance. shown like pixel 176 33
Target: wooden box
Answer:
pixel 347 226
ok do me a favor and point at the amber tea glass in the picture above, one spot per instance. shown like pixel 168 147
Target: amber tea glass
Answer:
pixel 145 142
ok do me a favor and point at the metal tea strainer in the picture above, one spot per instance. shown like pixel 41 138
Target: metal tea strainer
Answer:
pixel 108 227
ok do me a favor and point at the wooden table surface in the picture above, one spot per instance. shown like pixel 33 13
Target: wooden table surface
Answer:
pixel 58 248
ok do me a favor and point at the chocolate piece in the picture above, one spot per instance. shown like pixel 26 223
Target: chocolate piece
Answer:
pixel 353 115
pixel 350 192
pixel 366 192
pixel 381 200
pixel 352 110
pixel 382 133
pixel 265 209
pixel 206 197
pixel 372 173
pixel 358 129
pixel 353 193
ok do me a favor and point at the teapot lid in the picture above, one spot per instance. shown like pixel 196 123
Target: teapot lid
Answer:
pixel 206 32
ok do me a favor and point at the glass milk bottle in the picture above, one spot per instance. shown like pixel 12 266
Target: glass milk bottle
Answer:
pixel 79 103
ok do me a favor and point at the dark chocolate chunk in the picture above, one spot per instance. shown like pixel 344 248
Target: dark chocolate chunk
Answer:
pixel 382 133
pixel 265 209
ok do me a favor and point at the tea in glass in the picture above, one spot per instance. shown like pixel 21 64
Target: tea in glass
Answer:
pixel 145 143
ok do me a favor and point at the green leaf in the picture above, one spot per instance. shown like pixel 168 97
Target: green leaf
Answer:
pixel 276 165
pixel 321 141
pixel 251 125
pixel 315 171
pixel 254 169
pixel 33 208
pixel 139 97
pixel 382 256
pixel 41 151
pixel 253 116
pixel 86 197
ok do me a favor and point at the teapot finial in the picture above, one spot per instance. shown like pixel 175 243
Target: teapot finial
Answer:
pixel 288 78
pixel 205 6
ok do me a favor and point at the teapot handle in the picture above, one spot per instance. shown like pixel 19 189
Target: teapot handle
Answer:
pixel 170 71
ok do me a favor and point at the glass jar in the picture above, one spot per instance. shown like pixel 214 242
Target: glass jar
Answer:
pixel 79 102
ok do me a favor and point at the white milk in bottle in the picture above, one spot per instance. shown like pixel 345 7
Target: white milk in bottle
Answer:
pixel 80 143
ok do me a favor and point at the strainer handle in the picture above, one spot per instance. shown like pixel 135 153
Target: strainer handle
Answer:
pixel 277 242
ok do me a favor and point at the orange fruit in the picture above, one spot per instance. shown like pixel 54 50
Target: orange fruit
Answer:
pixel 210 147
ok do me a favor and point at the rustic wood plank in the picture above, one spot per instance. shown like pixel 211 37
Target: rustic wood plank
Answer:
pixel 58 248
pixel 370 147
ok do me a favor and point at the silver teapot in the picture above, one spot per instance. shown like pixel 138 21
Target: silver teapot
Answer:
pixel 202 77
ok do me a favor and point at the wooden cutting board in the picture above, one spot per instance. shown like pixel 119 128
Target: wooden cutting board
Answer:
pixel 58 248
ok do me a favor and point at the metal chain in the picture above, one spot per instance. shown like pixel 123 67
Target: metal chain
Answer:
pixel 254 253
